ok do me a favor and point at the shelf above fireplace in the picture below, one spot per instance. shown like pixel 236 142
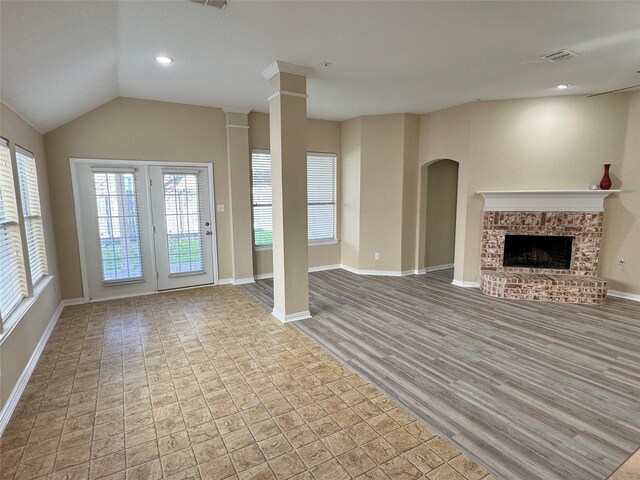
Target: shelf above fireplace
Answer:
pixel 545 200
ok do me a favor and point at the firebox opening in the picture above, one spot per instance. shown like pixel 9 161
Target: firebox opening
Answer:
pixel 537 251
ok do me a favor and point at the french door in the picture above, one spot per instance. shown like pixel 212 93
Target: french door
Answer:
pixel 143 227
pixel 182 226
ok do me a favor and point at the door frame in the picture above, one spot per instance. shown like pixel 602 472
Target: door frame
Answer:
pixel 75 162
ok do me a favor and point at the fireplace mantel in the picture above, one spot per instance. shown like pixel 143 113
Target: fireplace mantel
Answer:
pixel 545 200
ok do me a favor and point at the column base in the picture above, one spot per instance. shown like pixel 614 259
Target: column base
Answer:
pixel 291 317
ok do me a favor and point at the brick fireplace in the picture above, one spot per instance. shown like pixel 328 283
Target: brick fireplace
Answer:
pixel 553 240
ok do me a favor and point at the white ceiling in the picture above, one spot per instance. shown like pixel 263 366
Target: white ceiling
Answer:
pixel 62 59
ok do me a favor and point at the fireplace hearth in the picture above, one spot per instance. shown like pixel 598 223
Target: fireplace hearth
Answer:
pixel 543 245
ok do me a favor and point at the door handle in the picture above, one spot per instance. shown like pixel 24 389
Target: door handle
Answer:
pixel 208 232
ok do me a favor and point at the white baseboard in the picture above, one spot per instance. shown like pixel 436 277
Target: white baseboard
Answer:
pixel 264 276
pixel 243 281
pixel 437 268
pixel 225 281
pixel 325 267
pixel 386 273
pixel 72 301
pixel 460 283
pixel 21 384
pixel 628 296
pixel 291 317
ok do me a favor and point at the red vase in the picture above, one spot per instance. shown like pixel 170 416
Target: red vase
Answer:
pixel 605 183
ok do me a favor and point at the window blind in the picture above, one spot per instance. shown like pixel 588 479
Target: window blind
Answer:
pixel 31 213
pixel 12 271
pixel 321 197
pixel 118 229
pixel 184 221
pixel 261 197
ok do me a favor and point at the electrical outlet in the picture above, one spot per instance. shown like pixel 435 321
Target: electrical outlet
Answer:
pixel 377 256
pixel 219 208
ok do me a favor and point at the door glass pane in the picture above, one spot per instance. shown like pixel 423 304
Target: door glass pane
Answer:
pixel 117 216
pixel 182 213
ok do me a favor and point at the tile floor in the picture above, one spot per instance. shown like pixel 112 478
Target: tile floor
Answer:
pixel 629 470
pixel 205 383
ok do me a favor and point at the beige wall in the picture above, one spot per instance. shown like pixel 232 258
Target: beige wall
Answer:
pixel 544 143
pixel 323 136
pixel 410 182
pixel 622 216
pixel 17 346
pixel 132 129
pixel 379 191
pixel 441 178
pixel 381 178
pixel 238 165
pixel 351 149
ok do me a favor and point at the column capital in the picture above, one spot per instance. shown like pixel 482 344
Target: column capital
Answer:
pixel 284 67
pixel 237 117
pixel 241 110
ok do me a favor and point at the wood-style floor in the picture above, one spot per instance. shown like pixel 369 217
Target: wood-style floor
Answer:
pixel 531 390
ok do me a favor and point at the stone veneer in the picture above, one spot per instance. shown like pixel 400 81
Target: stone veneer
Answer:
pixel 578 284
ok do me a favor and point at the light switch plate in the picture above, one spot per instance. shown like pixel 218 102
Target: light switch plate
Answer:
pixel 219 208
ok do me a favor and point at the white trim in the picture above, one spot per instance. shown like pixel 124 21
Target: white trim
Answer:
pixel 385 273
pixel 331 241
pixel 75 161
pixel 437 268
pixel 545 200
pixel 233 125
pixel 21 384
pixel 627 296
pixel 79 228
pixel 73 301
pixel 223 281
pixel 290 317
pixel 322 268
pixel 241 110
pixel 22 308
pixel 120 297
pixel 312 243
pixel 283 67
pixel 463 284
pixel 286 93
pixel 24 152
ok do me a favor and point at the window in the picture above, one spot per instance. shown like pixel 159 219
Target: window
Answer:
pixel 261 191
pixel 182 216
pixel 12 272
pixel 321 197
pixel 31 214
pixel 117 217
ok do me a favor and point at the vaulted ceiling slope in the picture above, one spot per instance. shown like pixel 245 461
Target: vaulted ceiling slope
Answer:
pixel 62 59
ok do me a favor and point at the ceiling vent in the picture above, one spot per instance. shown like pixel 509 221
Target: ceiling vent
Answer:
pixel 559 56
pixel 212 3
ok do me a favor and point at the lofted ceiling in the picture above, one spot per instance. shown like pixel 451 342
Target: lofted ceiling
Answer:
pixel 59 60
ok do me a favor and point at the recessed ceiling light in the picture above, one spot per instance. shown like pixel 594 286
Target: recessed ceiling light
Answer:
pixel 162 60
pixel 564 86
